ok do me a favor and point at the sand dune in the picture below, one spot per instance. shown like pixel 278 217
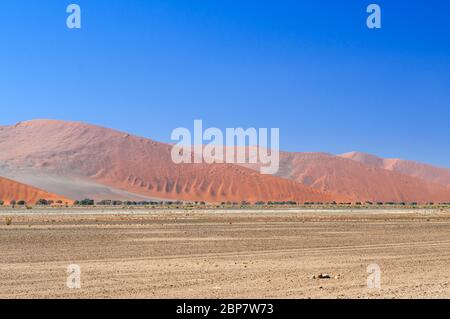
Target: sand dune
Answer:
pixel 72 187
pixel 11 190
pixel 136 165
pixel 77 159
pixel 425 172
pixel 359 181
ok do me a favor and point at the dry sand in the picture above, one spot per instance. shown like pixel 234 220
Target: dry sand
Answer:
pixel 169 254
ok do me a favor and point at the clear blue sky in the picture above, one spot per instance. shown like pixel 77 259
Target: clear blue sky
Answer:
pixel 311 68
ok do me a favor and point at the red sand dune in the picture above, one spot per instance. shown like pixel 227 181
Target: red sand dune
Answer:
pixel 11 190
pixel 72 151
pixel 356 180
pixel 425 172
pixel 137 165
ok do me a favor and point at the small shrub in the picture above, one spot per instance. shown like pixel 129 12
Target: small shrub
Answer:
pixel 42 202
pixel 87 202
pixel 8 221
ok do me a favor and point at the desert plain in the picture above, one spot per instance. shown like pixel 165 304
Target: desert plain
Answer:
pixel 145 253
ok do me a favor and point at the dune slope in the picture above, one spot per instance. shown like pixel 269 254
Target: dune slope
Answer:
pixel 136 165
pixel 422 171
pixel 358 181
pixel 11 190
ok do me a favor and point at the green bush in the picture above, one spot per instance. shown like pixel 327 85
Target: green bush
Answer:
pixel 42 202
pixel 87 202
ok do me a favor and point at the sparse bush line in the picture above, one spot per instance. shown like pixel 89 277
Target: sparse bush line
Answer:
pixel 90 203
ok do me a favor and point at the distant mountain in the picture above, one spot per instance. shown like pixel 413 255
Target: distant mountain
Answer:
pixel 422 171
pixel 11 190
pixel 81 160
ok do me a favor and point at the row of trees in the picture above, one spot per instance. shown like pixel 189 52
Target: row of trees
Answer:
pixel 44 202
pixel 91 202
pixel 40 202
pixel 14 202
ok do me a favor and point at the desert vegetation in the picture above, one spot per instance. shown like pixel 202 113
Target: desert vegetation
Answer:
pixel 223 205
pixel 257 204
pixel 8 221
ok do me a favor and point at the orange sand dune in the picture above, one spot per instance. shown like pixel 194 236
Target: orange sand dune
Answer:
pixel 356 180
pixel 425 172
pixel 137 165
pixel 69 151
pixel 11 190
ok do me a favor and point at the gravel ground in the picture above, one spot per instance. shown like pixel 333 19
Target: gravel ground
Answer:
pixel 207 254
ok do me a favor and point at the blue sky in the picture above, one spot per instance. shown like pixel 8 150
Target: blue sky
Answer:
pixel 311 68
